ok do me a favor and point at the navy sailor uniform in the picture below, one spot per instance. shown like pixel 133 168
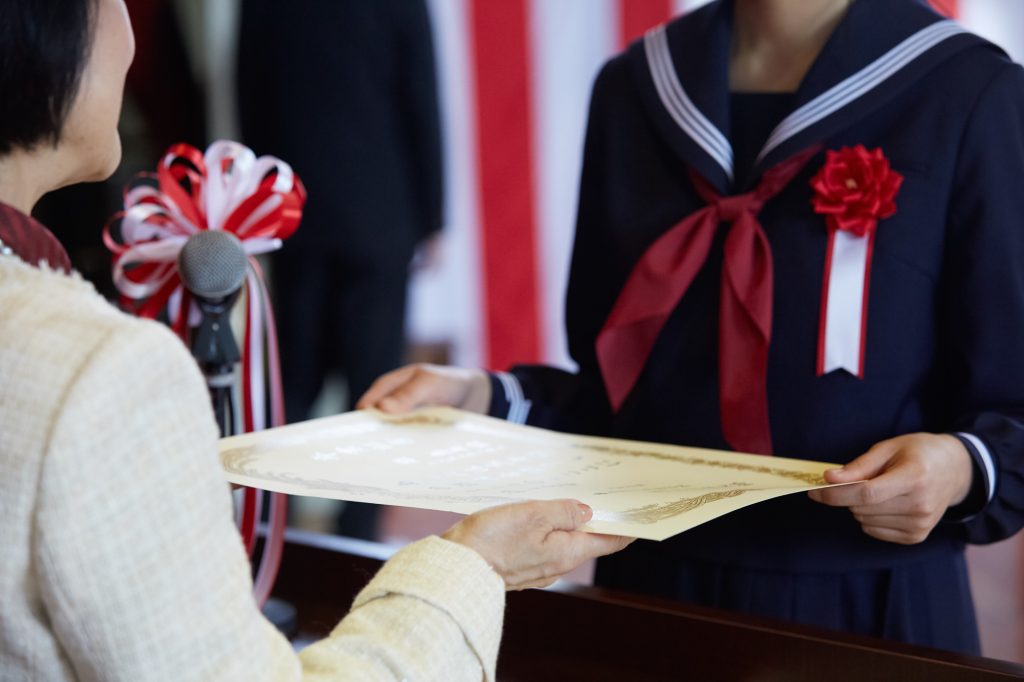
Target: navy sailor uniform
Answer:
pixel 945 316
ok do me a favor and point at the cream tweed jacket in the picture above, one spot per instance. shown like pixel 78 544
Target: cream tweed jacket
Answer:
pixel 119 559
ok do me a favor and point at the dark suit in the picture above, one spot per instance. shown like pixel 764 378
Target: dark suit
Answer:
pixel 344 91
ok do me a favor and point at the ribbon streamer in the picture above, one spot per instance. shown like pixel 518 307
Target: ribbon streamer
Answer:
pixel 260 201
pixel 854 189
pixel 844 303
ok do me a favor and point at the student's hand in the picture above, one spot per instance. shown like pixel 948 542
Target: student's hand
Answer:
pixel 908 484
pixel 422 385
pixel 532 544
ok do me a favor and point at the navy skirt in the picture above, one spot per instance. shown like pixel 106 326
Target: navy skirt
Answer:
pixel 926 602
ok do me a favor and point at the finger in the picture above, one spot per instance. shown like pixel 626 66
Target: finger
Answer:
pixel 567 551
pixel 893 535
pixel 534 584
pixel 843 496
pixel 899 505
pixel 910 525
pixel 420 390
pixel 384 385
pixel 868 465
pixel 597 544
pixel 892 484
pixel 566 515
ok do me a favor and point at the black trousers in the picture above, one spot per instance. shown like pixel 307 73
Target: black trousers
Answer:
pixel 335 315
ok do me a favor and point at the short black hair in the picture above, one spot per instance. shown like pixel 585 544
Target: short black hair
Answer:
pixel 44 47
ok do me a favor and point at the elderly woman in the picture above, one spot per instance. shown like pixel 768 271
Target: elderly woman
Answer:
pixel 120 558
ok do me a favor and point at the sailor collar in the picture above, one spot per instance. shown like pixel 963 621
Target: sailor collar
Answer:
pixel 879 48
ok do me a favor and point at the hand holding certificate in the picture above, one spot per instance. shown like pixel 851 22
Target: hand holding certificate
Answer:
pixel 450 460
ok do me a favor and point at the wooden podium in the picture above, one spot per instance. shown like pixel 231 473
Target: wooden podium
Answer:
pixel 588 633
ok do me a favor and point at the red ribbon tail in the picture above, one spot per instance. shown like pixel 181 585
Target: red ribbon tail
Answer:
pixel 744 337
pixel 622 353
pixel 743 365
pixel 655 286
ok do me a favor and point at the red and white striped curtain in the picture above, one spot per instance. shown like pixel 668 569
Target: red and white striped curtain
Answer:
pixel 515 78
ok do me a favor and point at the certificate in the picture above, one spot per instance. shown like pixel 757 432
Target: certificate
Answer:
pixel 450 460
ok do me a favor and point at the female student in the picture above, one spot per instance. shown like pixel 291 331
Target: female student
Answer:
pixel 800 233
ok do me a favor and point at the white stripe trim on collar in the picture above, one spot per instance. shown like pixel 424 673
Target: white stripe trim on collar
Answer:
pixel 679 105
pixel 709 138
pixel 860 83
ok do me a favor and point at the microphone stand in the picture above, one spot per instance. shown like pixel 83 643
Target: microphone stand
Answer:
pixel 215 349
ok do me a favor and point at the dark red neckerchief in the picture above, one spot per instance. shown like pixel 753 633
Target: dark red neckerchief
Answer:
pixel 661 278
pixel 30 241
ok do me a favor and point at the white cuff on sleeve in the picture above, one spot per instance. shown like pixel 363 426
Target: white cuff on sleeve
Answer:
pixel 518 405
pixel 988 464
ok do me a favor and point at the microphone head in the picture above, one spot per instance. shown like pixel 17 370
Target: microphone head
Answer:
pixel 212 264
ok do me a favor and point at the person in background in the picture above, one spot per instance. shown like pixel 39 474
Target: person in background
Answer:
pixel 799 233
pixel 345 92
pixel 120 557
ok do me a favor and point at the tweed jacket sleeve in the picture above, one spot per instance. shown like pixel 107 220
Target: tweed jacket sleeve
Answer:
pixel 142 573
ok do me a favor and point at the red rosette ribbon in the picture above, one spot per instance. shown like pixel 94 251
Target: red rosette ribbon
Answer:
pixel 854 189
pixel 260 201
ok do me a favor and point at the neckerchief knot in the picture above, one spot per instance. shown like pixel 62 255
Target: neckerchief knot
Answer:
pixel 663 275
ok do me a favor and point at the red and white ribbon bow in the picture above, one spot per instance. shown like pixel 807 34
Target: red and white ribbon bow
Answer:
pixel 260 201
pixel 853 190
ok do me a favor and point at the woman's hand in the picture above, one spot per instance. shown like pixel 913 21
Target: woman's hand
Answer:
pixel 908 484
pixel 532 544
pixel 422 385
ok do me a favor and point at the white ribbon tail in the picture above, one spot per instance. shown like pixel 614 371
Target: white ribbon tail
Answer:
pixel 257 385
pixel 844 306
pixel 263 339
pixel 275 385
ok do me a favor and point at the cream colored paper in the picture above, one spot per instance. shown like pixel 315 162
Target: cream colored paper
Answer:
pixel 451 460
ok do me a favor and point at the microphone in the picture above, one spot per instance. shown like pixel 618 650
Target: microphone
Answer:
pixel 212 267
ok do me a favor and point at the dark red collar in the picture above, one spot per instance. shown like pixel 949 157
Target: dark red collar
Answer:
pixel 30 241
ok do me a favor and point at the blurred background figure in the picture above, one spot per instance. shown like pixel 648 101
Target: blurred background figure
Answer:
pixel 345 91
